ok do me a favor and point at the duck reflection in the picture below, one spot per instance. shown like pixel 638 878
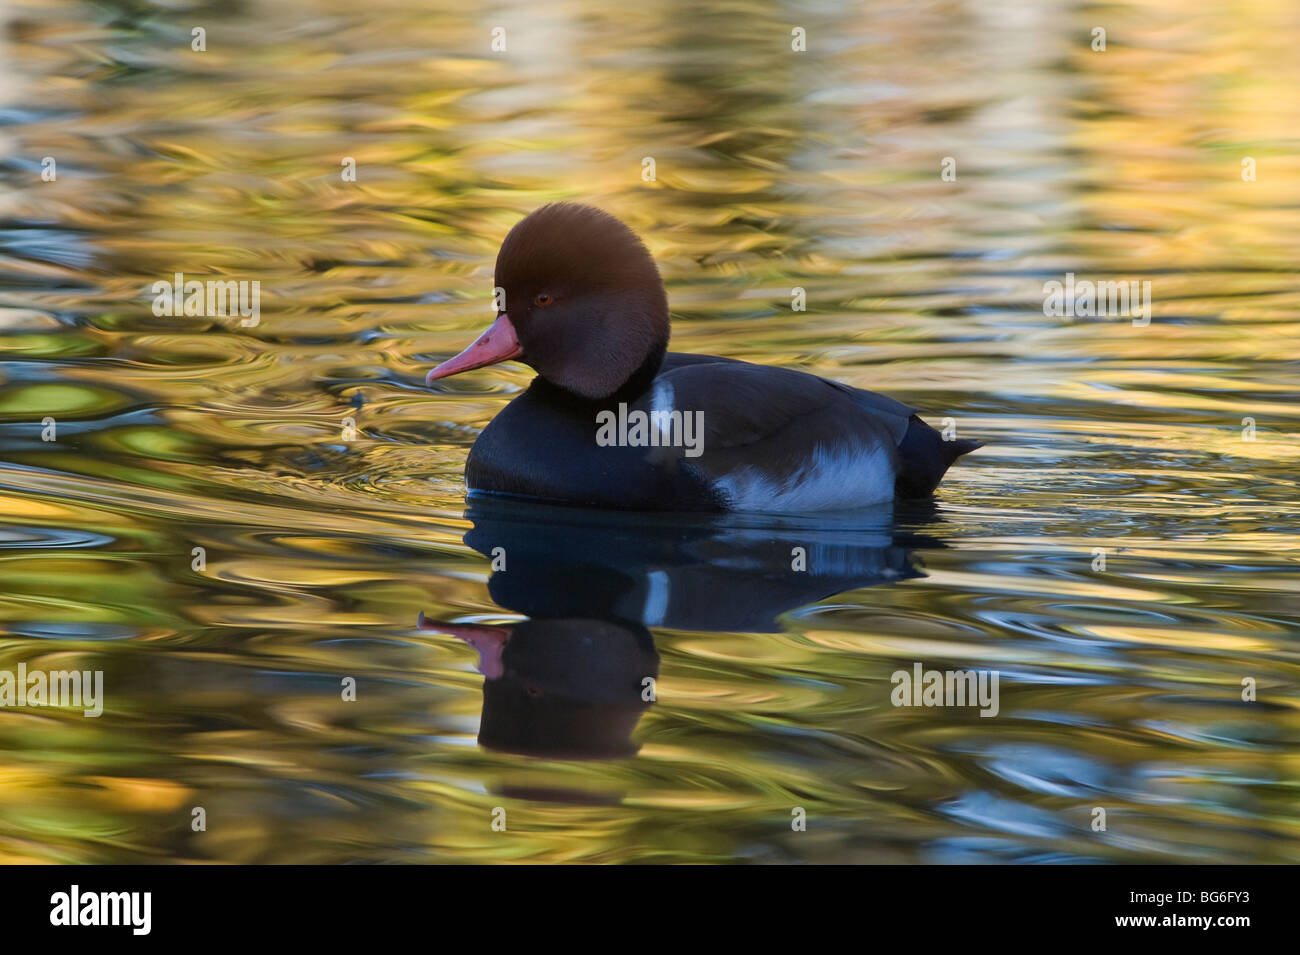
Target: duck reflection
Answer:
pixel 572 681
pixel 561 688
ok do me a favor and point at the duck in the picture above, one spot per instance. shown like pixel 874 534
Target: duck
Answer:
pixel 613 420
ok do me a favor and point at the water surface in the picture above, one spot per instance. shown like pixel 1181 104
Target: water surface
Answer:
pixel 333 555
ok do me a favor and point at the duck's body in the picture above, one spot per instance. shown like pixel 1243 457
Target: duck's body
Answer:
pixel 715 434
pixel 773 440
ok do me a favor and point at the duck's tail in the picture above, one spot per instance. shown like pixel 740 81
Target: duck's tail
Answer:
pixel 923 458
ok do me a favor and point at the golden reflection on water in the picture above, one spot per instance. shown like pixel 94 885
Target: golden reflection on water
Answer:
pixel 774 170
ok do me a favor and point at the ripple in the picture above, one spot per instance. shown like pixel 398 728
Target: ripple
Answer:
pixel 209 530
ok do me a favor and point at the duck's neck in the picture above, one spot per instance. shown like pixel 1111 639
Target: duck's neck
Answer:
pixel 640 380
pixel 637 383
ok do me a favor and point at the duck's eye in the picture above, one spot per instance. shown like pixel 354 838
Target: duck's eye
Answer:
pixel 543 300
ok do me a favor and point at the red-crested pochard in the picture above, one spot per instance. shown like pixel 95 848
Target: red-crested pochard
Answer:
pixel 613 420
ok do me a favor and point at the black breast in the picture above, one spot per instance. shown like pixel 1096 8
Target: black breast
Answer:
pixel 543 446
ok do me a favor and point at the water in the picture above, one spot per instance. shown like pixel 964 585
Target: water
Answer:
pixel 1120 688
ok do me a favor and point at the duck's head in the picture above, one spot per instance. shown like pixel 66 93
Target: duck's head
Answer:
pixel 583 304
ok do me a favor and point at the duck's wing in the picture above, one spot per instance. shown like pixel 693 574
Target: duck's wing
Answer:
pixel 773 439
pixel 792 436
pixel 893 413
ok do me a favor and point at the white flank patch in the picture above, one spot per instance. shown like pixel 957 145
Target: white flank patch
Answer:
pixel 834 479
pixel 661 401
pixel 658 590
